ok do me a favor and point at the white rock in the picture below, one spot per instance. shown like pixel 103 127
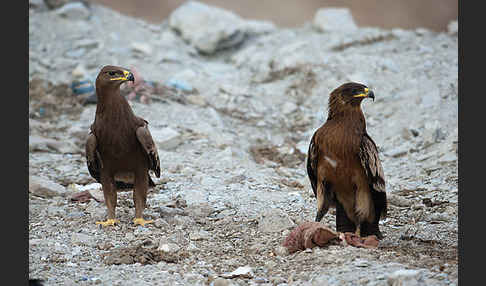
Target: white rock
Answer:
pixel 192 248
pixel 45 188
pixel 399 201
pixel 243 272
pixel 274 220
pixel 256 27
pixel 74 10
pixel 361 263
pixel 196 99
pixel 404 277
pixel 199 235
pixel 97 194
pixel 453 27
pixel 207 28
pixel 433 217
pixel 143 48
pixel 169 247
pixel 333 20
pixel 82 239
pixel 166 138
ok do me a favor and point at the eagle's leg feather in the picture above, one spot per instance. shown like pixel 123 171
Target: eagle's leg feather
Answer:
pixel 140 197
pixel 109 192
pixel 343 223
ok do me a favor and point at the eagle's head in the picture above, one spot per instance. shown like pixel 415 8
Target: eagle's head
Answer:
pixel 351 93
pixel 113 77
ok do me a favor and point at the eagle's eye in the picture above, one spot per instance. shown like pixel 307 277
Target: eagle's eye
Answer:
pixel 111 73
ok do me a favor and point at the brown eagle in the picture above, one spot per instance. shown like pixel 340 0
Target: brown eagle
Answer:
pixel 343 165
pixel 120 150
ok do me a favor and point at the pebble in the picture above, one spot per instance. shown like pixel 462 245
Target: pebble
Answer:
pixel 243 272
pixel 361 263
pixel 74 11
pixel 453 27
pixel 166 138
pixel 199 235
pixel 83 239
pixel 398 201
pixel 169 248
pixel 202 210
pixel 161 223
pixel 274 220
pixel 45 188
pixel 170 212
pixel 142 48
pixel 129 236
pixel 404 277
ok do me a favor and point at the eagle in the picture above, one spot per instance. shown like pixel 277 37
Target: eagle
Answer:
pixel 343 165
pixel 120 150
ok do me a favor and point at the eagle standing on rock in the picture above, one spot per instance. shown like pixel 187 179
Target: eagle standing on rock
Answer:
pixel 343 165
pixel 120 150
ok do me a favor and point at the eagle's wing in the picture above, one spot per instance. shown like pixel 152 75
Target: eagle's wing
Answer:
pixel 371 163
pixel 93 159
pixel 312 161
pixel 368 155
pixel 148 144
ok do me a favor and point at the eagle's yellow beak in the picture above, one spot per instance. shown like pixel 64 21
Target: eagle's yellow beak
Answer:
pixel 127 76
pixel 366 93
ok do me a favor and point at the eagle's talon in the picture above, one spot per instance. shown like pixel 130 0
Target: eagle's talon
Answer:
pixel 108 222
pixel 141 221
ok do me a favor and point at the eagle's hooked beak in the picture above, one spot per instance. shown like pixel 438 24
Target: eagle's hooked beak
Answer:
pixel 127 76
pixel 366 93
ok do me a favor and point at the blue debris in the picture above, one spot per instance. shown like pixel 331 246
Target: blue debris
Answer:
pixel 82 87
pixel 178 84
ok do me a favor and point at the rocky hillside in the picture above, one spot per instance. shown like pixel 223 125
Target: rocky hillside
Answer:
pixel 232 108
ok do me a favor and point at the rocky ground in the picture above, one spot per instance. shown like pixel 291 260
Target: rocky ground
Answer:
pixel 234 109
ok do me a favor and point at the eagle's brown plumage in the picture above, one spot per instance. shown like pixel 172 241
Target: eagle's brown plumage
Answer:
pixel 120 150
pixel 343 165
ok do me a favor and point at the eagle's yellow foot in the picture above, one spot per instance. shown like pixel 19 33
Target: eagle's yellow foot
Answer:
pixel 108 222
pixel 141 221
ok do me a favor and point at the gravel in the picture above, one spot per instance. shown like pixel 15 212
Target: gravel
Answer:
pixel 232 126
